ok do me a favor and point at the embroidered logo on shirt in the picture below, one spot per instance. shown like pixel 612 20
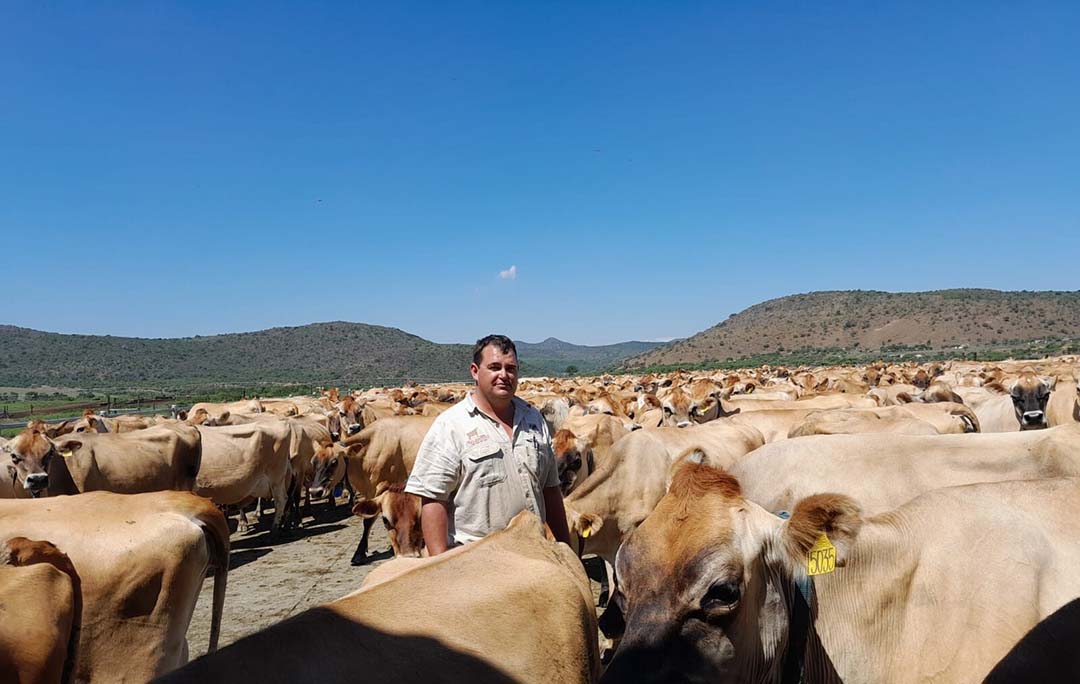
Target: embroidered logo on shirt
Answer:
pixel 475 437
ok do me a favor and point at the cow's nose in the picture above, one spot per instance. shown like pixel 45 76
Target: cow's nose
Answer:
pixel 683 423
pixel 335 435
pixel 1034 417
pixel 37 481
pixel 574 463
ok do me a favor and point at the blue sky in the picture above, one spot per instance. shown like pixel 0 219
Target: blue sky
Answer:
pixel 173 169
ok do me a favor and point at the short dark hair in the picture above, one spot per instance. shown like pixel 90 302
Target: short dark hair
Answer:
pixel 502 342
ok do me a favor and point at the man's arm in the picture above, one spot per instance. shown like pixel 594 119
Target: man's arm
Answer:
pixel 556 514
pixel 434 522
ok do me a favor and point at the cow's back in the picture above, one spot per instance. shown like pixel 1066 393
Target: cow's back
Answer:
pixel 883 471
pixel 157 458
pixel 446 619
pixel 141 560
pixel 241 461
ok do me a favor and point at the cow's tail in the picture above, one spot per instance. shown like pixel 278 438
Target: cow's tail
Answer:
pixel 216 531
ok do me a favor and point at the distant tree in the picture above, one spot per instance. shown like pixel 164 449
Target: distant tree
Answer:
pixel 571 370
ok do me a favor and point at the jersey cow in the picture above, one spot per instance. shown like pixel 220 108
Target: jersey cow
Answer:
pixel 40 612
pixel 884 471
pixel 711 584
pixel 141 560
pixel 439 620
pixel 162 457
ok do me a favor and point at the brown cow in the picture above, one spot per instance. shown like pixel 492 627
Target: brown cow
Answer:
pixel 141 559
pixel 380 455
pixel 511 607
pixel 575 446
pixel 162 457
pixel 400 512
pixel 1020 406
pixel 40 613
pixel 241 462
pixel 712 586
pixel 1064 405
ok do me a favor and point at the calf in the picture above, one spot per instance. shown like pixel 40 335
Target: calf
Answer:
pixel 400 512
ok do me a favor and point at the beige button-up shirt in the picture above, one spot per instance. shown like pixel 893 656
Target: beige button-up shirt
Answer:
pixel 467 459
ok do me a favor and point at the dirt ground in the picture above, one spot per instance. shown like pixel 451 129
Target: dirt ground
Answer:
pixel 307 567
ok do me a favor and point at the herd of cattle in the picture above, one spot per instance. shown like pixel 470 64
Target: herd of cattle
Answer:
pixel 890 523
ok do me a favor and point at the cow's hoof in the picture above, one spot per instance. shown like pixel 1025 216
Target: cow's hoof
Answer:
pixel 358 560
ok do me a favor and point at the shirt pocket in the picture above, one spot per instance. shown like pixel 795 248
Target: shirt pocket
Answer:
pixel 485 466
pixel 532 457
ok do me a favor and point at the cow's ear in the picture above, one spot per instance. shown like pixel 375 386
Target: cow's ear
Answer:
pixel 1050 382
pixel 835 516
pixel 224 417
pixel 585 525
pixel 182 415
pixel 68 446
pixel 366 508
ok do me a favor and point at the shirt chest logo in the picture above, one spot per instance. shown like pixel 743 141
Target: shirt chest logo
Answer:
pixel 474 437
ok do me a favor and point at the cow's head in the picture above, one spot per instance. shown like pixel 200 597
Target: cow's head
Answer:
pixel 676 404
pixel 555 411
pixel 921 379
pixel 89 423
pixel 605 404
pixel 871 376
pixel 400 513
pixel 333 424
pixel 1030 394
pixel 707 581
pixel 27 459
pixel 327 467
pixel 572 457
pixel 704 400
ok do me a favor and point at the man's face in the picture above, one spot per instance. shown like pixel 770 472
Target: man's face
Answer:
pixel 497 374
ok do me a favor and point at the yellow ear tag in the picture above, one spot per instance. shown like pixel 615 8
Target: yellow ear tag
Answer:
pixel 586 533
pixel 66 454
pixel 822 557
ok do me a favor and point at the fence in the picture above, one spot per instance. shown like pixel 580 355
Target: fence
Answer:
pixel 104 412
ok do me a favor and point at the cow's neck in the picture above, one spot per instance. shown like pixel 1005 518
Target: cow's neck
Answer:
pixel 857 612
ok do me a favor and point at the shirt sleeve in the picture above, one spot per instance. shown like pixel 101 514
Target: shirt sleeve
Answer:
pixel 436 474
pixel 550 472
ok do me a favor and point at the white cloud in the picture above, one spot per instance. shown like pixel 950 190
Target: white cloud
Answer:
pixel 509 274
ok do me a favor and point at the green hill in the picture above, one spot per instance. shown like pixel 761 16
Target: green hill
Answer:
pixel 341 353
pixel 862 322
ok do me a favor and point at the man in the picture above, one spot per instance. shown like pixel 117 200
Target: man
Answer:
pixel 486 459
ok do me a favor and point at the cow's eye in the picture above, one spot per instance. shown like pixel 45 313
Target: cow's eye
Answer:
pixel 15 458
pixel 333 463
pixel 721 595
pixel 667 410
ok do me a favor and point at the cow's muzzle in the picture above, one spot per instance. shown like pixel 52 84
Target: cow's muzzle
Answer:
pixel 36 484
pixel 1032 419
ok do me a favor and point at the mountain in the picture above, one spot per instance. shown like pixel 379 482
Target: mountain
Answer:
pixel 552 356
pixel 321 353
pixel 872 322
